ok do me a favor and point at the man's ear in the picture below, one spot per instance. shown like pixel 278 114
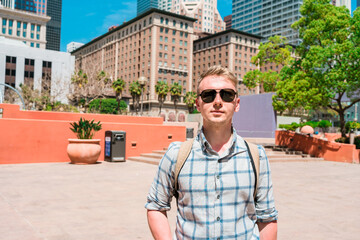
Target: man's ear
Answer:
pixel 197 104
pixel 237 104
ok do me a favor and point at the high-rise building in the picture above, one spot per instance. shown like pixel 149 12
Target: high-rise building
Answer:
pixel 165 5
pixel 51 8
pixel 27 27
pixel 350 4
pixel 228 21
pixel 205 11
pixel 7 3
pixel 53 28
pixel 156 44
pixel 232 49
pixel 35 6
pixel 145 5
pixel 267 18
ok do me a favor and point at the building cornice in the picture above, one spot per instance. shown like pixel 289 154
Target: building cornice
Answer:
pixel 228 31
pixel 14 13
pixel 152 10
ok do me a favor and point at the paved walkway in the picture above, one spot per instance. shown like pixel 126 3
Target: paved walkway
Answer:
pixel 60 201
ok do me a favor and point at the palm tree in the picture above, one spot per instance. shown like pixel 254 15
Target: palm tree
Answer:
pixel 175 91
pixel 135 91
pixel 190 99
pixel 161 88
pixel 118 87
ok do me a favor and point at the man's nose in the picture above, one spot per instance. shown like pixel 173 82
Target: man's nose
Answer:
pixel 218 100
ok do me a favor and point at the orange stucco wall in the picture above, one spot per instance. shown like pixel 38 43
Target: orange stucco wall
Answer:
pixel 41 140
pixel 331 151
pixel 13 111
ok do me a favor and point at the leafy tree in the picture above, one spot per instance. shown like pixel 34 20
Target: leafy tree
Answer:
pixel 327 69
pixel 190 99
pixel 175 91
pixel 118 87
pixel 161 89
pixel 275 51
pixel 88 86
pixel 135 91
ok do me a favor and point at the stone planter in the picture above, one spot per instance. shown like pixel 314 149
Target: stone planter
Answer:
pixel 84 151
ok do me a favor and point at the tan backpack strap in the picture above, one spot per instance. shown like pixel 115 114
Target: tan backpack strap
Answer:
pixel 183 154
pixel 255 158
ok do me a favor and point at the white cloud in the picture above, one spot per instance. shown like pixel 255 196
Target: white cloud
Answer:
pixel 117 17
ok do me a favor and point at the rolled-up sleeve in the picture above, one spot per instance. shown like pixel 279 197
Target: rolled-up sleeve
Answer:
pixel 161 190
pixel 265 205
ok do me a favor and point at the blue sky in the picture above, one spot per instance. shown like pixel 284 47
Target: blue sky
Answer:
pixel 85 20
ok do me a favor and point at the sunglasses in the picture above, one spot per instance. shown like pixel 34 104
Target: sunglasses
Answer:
pixel 209 95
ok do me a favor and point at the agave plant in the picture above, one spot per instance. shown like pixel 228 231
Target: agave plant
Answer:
pixel 85 129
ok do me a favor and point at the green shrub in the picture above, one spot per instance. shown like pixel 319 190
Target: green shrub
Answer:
pixel 108 106
pixel 351 125
pixel 324 125
pixel 312 124
pixel 290 127
pixel 347 140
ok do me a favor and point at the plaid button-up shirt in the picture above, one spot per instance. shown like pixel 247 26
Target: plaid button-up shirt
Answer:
pixel 215 192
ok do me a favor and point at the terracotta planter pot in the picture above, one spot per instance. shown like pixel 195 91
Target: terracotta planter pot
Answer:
pixel 84 151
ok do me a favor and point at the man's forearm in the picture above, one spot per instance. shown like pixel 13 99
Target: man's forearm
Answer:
pixel 268 231
pixel 159 225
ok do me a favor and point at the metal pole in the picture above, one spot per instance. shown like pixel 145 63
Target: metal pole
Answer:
pixel 142 99
pixel 18 93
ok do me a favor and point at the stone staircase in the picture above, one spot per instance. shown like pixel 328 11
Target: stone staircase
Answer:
pixel 274 154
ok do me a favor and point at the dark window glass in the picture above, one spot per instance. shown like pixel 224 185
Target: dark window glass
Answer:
pixel 32 62
pixel 8 59
pixel 31 74
pixel 13 60
pixel 26 74
pixel 13 72
pixel 8 72
pixel 26 61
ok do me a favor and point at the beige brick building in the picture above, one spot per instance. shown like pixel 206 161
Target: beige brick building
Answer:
pixel 24 26
pixel 232 49
pixel 156 44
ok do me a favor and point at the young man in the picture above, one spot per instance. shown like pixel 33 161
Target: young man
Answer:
pixel 216 184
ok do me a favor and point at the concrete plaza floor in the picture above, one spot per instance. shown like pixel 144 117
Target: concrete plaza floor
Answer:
pixel 60 201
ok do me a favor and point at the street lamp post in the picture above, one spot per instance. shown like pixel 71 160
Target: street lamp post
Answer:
pixel 142 81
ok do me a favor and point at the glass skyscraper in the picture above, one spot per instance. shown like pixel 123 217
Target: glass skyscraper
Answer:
pixel 144 5
pixel 53 27
pixel 267 17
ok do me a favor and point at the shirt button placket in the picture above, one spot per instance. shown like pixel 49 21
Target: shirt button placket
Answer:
pixel 217 202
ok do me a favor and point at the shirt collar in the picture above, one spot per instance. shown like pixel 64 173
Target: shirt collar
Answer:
pixel 206 147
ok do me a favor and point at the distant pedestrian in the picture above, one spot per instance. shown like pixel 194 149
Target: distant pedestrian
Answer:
pixel 216 185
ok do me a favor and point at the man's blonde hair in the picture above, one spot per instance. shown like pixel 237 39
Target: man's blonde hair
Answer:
pixel 218 70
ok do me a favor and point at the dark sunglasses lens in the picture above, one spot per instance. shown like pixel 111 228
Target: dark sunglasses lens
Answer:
pixel 227 95
pixel 208 95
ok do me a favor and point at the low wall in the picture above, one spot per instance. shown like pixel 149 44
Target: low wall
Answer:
pixel 13 111
pixel 38 140
pixel 331 151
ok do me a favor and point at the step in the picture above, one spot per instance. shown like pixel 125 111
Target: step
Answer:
pixel 152 155
pixel 153 161
pixel 159 151
pixel 304 159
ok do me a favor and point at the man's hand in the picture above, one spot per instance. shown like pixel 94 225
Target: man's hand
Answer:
pixel 268 231
pixel 159 225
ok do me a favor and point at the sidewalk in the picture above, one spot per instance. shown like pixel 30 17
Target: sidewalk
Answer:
pixel 60 201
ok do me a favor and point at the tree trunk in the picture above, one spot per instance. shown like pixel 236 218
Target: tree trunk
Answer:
pixel 342 123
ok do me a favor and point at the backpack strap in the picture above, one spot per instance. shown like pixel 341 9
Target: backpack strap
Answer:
pixel 183 154
pixel 255 162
